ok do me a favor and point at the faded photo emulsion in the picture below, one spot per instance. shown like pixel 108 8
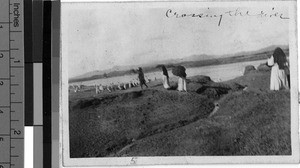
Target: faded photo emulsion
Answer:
pixel 178 82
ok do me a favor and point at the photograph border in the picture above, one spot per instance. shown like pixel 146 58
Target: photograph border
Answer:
pixel 66 161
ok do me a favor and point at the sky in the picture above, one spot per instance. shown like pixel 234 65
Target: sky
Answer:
pixel 99 36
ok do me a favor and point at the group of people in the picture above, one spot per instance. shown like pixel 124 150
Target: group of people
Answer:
pixel 110 87
pixel 143 82
pixel 165 79
pixel 76 88
pixel 279 79
pixel 280 74
pixel 181 80
pixel 119 86
pixel 113 87
pixel 277 61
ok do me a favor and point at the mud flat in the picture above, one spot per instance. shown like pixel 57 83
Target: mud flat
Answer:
pixel 248 120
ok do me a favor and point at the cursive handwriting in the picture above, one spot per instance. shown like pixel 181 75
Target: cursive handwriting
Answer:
pixel 232 13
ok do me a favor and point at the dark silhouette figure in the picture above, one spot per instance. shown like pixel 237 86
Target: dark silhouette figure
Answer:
pixel 141 77
pixel 166 82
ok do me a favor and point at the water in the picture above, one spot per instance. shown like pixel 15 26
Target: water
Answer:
pixel 216 73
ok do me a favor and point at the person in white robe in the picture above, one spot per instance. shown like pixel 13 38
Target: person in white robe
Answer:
pixel 100 87
pixel 180 72
pixel 182 84
pixel 119 86
pixel 97 89
pixel 279 65
pixel 166 82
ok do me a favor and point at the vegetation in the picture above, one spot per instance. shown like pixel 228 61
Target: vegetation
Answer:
pixel 249 120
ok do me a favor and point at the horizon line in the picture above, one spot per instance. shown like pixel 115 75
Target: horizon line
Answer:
pixel 216 55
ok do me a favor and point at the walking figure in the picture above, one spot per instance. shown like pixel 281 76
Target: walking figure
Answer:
pixel 166 83
pixel 279 65
pixel 141 77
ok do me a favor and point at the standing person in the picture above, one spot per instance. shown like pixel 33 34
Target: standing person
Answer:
pixel 141 77
pixel 182 84
pixel 180 72
pixel 100 87
pixel 279 64
pixel 165 77
pixel 97 89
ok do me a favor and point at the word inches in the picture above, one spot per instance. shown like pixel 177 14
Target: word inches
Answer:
pixel 16 14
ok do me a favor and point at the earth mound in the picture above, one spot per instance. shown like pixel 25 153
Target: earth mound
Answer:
pixel 213 89
pixel 201 79
pixel 105 128
pixel 263 67
pixel 248 69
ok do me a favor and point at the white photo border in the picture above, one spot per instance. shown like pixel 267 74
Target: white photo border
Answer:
pixel 66 161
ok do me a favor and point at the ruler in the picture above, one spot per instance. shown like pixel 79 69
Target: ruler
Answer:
pixel 11 84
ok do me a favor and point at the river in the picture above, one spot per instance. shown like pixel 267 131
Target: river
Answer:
pixel 215 72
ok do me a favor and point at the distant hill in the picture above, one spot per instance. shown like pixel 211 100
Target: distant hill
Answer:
pixel 190 61
pixel 266 49
pixel 129 67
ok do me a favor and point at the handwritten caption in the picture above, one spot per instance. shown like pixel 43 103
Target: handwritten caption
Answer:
pixel 231 13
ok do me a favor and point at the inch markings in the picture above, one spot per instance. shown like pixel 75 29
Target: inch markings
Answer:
pixel 11 84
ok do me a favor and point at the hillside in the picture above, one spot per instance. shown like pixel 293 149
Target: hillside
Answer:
pixel 159 122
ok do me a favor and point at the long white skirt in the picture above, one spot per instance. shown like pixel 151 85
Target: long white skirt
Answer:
pixel 278 78
pixel 181 84
pixel 166 82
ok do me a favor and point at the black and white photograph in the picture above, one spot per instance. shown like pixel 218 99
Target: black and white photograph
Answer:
pixel 178 82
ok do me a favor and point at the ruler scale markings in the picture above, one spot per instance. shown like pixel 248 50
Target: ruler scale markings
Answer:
pixel 16 84
pixel 9 87
pixel 4 89
pixel 11 84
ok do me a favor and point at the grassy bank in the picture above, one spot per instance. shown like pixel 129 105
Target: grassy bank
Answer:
pixel 158 122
